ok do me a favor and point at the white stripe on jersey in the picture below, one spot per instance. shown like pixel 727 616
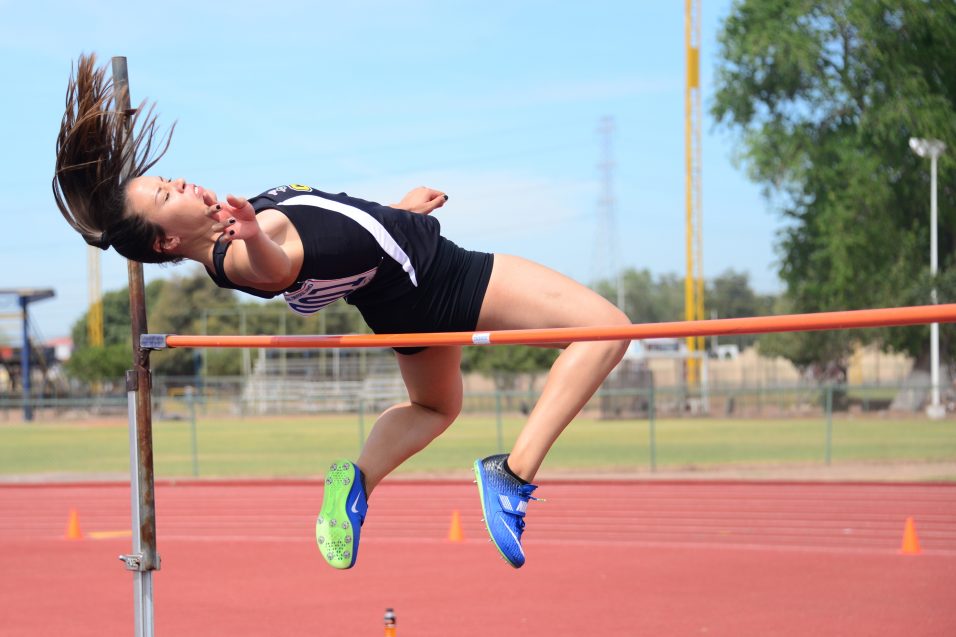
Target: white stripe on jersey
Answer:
pixel 314 294
pixel 367 221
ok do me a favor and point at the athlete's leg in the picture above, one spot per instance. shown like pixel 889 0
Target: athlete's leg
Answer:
pixel 433 380
pixel 522 294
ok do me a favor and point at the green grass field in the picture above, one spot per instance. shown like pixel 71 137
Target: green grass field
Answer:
pixel 301 446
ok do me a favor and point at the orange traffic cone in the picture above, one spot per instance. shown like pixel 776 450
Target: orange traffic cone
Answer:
pixel 910 541
pixel 454 531
pixel 73 526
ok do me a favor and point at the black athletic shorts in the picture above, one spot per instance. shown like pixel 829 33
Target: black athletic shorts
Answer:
pixel 448 300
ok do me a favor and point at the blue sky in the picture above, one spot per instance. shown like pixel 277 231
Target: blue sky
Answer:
pixel 497 103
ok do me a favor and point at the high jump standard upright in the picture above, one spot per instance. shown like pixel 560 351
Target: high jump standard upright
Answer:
pixel 143 559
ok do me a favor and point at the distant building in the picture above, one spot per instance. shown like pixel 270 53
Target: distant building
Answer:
pixel 62 348
pixel 656 348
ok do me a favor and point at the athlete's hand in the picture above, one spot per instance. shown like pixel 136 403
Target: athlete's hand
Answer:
pixel 422 200
pixel 237 219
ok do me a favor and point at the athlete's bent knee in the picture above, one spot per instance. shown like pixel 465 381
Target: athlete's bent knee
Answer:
pixel 445 412
pixel 615 350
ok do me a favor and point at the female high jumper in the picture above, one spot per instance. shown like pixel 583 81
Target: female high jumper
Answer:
pixel 313 248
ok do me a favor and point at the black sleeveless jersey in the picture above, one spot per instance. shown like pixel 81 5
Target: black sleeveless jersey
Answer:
pixel 359 250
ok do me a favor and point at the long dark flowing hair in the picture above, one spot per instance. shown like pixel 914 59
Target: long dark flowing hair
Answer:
pixel 99 149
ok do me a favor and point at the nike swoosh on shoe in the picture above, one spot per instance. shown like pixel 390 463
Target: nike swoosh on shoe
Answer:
pixel 517 541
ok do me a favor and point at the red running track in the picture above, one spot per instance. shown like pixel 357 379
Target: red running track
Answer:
pixel 604 558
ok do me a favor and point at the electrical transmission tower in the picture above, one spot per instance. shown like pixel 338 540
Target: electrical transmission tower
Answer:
pixel 605 264
pixel 694 279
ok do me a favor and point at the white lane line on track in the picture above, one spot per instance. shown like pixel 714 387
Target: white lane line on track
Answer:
pixel 636 544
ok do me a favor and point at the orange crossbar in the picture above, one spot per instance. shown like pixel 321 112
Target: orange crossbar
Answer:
pixel 718 327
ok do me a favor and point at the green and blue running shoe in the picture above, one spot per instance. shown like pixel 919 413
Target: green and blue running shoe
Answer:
pixel 344 505
pixel 504 501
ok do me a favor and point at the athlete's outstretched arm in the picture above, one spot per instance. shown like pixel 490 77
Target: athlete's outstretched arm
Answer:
pixel 263 260
pixel 422 200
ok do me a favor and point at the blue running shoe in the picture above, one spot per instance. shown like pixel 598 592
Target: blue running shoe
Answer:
pixel 338 527
pixel 504 501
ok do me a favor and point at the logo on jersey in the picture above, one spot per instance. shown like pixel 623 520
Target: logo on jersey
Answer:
pixel 297 187
pixel 314 294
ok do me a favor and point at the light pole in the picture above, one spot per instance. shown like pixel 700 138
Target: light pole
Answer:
pixel 932 148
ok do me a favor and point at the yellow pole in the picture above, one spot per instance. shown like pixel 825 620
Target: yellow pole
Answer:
pixel 94 320
pixel 697 174
pixel 693 280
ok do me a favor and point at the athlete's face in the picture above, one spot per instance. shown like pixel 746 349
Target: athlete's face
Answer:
pixel 184 211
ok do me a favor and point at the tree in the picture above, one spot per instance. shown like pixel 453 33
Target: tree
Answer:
pixel 179 309
pixel 99 364
pixel 110 362
pixel 191 303
pixel 650 300
pixel 504 364
pixel 818 355
pixel 823 96
pixel 729 295
pixel 647 300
